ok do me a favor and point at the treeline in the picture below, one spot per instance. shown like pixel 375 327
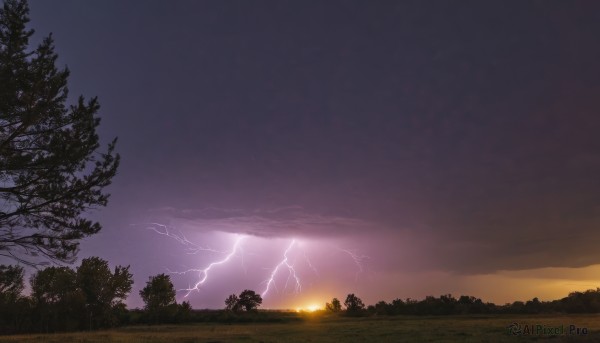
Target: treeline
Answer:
pixel 89 297
pixel 64 299
pixel 92 297
pixel 575 302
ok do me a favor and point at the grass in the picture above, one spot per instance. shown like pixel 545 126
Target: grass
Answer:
pixel 321 328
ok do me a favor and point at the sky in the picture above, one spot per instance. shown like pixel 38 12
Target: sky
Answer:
pixel 393 149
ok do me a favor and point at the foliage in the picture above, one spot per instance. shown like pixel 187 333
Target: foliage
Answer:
pixel 158 295
pixel 11 304
pixel 232 303
pixel 63 299
pixel 160 305
pixel 51 169
pixel 57 301
pixel 11 283
pixel 159 292
pixel 354 304
pixel 184 313
pixel 102 289
pixel 52 285
pixel 334 306
pixel 58 304
pixel 248 300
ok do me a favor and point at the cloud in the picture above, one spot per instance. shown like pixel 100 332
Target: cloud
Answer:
pixel 478 244
pixel 289 221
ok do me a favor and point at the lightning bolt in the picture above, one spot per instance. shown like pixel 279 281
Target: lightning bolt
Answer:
pixel 237 249
pixel 358 260
pixel 203 273
pixel 192 248
pixel 310 265
pixel 292 272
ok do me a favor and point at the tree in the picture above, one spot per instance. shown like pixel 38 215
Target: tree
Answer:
pixel 383 308
pixel 398 306
pixel 334 306
pixel 51 168
pixel 249 300
pixel 11 301
pixel 354 304
pixel 51 285
pixel 232 303
pixel 58 303
pixel 158 294
pixel 103 289
pixel 11 283
pixel 184 312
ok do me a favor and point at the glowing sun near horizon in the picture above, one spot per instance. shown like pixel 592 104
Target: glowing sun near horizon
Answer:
pixel 309 308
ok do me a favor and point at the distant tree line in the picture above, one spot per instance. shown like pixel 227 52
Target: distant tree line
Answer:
pixel 576 302
pixel 91 296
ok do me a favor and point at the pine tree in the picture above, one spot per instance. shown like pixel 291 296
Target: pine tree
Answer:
pixel 51 168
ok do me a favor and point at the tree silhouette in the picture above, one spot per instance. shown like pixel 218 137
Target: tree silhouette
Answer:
pixel 249 300
pixel 232 303
pixel 334 306
pixel 11 282
pixel 51 168
pixel 59 304
pixel 184 312
pixel 353 304
pixel 382 308
pixel 52 285
pixel 103 289
pixel 158 294
pixel 11 301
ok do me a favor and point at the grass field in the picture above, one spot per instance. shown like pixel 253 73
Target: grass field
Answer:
pixel 319 328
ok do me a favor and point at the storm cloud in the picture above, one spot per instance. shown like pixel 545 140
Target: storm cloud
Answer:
pixel 457 138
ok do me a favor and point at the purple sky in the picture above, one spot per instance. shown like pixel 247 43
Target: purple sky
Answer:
pixel 452 146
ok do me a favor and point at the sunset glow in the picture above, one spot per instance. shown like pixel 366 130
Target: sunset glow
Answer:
pixel 309 308
pixel 312 308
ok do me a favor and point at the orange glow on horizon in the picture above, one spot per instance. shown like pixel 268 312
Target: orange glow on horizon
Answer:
pixel 309 308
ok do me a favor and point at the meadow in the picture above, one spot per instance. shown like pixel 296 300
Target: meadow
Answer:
pixel 316 327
